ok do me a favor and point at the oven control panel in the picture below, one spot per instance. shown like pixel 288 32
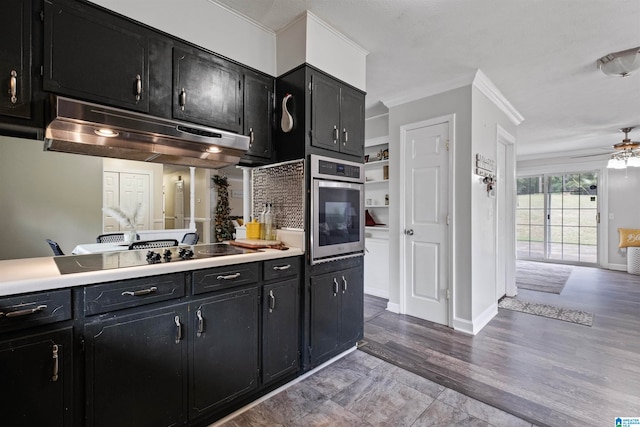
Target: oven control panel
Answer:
pixel 340 170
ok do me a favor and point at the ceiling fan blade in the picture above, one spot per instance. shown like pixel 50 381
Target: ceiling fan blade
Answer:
pixel 591 155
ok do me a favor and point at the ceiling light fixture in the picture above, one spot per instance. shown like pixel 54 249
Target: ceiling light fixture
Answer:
pixel 627 153
pixel 620 63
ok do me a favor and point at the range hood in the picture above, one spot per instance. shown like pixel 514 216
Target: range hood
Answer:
pixel 85 128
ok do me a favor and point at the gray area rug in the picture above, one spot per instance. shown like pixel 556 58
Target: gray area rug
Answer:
pixel 542 276
pixel 546 310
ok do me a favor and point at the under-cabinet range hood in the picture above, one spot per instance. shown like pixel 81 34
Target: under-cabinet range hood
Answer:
pixel 85 128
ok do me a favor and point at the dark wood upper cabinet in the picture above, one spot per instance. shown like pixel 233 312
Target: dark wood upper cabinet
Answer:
pixel 207 90
pixel 94 55
pixel 258 114
pixel 351 121
pixel 15 58
pixel 325 112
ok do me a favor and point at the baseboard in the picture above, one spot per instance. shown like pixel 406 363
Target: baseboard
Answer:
pixel 377 292
pixel 393 307
pixel 475 326
pixel 617 267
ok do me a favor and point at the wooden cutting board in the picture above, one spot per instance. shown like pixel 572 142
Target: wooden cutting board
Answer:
pixel 258 244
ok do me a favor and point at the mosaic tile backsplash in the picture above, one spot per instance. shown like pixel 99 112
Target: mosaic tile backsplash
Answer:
pixel 282 185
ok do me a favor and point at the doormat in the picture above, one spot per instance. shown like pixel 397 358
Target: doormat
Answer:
pixel 542 276
pixel 546 310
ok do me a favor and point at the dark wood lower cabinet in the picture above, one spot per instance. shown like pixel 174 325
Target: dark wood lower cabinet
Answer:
pixel 136 369
pixel 36 379
pixel 224 355
pixel 336 313
pixel 280 329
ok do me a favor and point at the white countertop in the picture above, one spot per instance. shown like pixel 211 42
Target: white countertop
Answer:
pixel 41 274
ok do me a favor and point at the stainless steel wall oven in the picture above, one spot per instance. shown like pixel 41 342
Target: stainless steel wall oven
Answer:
pixel 337 209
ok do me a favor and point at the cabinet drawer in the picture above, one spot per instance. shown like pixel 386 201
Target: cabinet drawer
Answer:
pixel 25 311
pixel 131 293
pixel 279 268
pixel 224 277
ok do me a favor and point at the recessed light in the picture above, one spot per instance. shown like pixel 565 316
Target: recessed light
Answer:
pixel 214 149
pixel 109 133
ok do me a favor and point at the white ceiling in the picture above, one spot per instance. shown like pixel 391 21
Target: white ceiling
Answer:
pixel 541 54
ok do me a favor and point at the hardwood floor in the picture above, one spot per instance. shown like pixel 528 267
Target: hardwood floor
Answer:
pixel 546 371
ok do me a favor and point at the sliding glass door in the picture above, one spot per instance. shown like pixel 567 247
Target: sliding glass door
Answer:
pixel 557 217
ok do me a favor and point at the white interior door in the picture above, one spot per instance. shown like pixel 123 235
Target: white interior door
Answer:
pixel 426 241
pixel 134 189
pixel 110 198
pixel 501 229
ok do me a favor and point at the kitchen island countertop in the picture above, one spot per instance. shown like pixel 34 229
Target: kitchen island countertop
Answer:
pixel 40 274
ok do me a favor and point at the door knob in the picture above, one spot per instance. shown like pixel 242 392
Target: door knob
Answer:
pixel 408 232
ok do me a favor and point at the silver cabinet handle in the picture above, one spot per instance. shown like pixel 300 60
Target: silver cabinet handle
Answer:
pixel 251 138
pixel 13 86
pixel 182 99
pixel 176 320
pixel 344 284
pixel 281 267
pixel 272 301
pixel 408 232
pixel 138 87
pixel 346 136
pixel 56 366
pixel 200 322
pixel 229 277
pixel 140 292
pixel 335 134
pixel 335 287
pixel 26 312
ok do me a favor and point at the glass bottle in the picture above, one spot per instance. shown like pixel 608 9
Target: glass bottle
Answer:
pixel 262 220
pixel 268 222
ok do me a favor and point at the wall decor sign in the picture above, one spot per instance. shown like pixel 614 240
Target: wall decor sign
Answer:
pixel 485 166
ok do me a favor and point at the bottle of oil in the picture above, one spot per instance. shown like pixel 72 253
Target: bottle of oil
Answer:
pixel 269 223
pixel 263 226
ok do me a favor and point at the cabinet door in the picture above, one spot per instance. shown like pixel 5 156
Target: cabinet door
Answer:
pixel 31 393
pixel 280 302
pixel 15 60
pixel 94 55
pixel 351 122
pixel 325 112
pixel 324 316
pixel 352 301
pixel 207 90
pixel 224 358
pixel 136 369
pixel 258 114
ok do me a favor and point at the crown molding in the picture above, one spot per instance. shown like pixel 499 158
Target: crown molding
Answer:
pixel 425 91
pixel 477 79
pixel 243 17
pixel 484 85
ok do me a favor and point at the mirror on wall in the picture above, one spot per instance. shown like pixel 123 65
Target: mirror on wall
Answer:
pixel 60 196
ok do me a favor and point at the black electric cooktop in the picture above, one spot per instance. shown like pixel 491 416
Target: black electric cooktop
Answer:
pixel 68 264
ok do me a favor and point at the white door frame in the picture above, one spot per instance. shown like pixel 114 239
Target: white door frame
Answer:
pixel 509 187
pixel 450 120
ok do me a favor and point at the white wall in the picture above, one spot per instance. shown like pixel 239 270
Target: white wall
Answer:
pixel 309 39
pixel 458 102
pixel 46 195
pixel 206 24
pixel 486 117
pixel 624 206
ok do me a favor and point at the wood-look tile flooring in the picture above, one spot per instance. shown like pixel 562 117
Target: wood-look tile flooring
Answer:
pixel 546 371
pixel 360 390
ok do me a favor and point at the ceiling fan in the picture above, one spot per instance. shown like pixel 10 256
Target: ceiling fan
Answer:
pixel 625 153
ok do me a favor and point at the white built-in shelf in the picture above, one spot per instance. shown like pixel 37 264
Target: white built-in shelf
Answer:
pixel 374 163
pixel 377 227
pixel 377 181
pixel 375 206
